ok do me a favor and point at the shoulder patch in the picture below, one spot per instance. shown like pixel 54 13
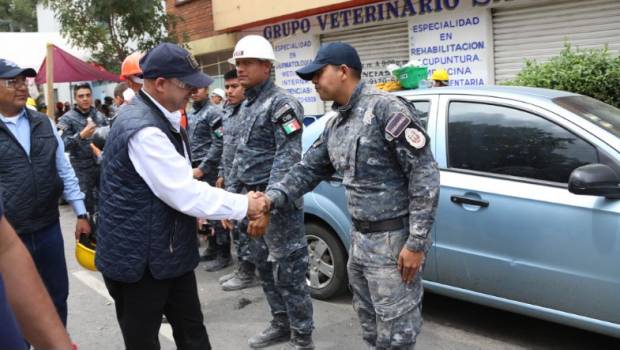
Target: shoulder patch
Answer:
pixel 397 124
pixel 216 122
pixel 219 132
pixel 285 109
pixel 217 126
pixel 286 117
pixel 415 138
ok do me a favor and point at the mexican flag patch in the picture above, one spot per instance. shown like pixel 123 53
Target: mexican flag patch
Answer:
pixel 291 126
pixel 219 132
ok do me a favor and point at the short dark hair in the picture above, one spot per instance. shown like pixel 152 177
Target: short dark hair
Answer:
pixel 120 88
pixel 232 74
pixel 105 109
pixel 82 86
pixel 354 72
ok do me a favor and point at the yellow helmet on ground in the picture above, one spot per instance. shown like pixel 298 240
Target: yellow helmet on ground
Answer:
pixel 85 252
pixel 440 74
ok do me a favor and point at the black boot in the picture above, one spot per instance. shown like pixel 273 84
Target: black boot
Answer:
pixel 211 251
pixel 244 278
pixel 223 259
pixel 219 263
pixel 277 332
pixel 301 341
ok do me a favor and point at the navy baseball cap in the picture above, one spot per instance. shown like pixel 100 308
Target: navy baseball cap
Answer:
pixel 10 70
pixel 333 53
pixel 172 61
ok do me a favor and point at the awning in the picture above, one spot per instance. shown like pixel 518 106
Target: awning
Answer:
pixel 68 68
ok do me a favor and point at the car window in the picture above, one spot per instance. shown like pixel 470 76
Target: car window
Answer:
pixel 423 107
pixel 508 141
pixel 595 111
pixel 309 119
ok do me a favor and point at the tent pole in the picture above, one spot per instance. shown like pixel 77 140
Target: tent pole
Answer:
pixel 49 72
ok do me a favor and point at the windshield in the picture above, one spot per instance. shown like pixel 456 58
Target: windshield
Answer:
pixel 597 112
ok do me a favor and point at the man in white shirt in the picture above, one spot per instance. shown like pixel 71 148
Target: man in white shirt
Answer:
pixel 149 202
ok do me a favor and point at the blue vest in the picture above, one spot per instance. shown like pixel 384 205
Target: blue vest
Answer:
pixel 136 230
pixel 30 183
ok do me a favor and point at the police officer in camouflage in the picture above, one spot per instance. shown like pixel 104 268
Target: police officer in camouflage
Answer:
pixel 205 133
pixel 78 127
pixel 244 275
pixel 378 145
pixel 268 146
pixel 205 138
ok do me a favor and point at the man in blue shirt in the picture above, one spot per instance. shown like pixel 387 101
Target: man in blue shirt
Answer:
pixel 21 291
pixel 34 173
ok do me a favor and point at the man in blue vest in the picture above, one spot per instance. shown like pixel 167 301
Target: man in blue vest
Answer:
pixel 34 173
pixel 149 201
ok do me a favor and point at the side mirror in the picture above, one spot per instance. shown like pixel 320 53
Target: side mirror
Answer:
pixel 595 180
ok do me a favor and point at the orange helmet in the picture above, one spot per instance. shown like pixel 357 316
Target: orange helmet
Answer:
pixel 131 65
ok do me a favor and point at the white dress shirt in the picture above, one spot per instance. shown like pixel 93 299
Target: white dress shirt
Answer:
pixel 170 176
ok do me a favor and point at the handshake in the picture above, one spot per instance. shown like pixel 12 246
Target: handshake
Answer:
pixel 259 206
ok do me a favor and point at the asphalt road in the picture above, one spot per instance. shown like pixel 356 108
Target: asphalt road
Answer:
pixel 232 317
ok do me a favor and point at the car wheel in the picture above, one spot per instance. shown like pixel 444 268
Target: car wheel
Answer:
pixel 327 267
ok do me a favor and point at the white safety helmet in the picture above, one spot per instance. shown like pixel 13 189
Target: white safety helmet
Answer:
pixel 253 46
pixel 219 92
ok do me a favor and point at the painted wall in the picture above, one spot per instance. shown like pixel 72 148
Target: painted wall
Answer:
pixel 234 13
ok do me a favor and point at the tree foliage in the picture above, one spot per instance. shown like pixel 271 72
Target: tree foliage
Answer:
pixel 113 29
pixel 593 72
pixel 18 16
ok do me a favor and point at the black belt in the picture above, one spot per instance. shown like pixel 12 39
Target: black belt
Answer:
pixel 379 226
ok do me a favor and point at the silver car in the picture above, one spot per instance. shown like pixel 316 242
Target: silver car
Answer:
pixel 528 217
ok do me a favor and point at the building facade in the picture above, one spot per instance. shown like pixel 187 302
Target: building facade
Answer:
pixel 479 42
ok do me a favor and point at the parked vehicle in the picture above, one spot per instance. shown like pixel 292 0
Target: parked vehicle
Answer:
pixel 528 216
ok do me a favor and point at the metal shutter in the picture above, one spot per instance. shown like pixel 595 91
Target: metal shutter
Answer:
pixel 375 44
pixel 539 32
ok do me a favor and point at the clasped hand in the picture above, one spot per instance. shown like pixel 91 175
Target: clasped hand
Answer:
pixel 259 206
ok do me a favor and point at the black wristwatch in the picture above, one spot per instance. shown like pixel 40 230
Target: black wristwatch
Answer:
pixel 83 216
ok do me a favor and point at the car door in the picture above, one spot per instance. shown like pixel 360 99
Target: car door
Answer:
pixel 506 225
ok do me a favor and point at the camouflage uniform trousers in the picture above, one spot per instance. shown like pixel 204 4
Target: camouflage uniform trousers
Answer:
pixel 245 245
pixel 389 310
pixel 89 185
pixel 284 285
pixel 222 236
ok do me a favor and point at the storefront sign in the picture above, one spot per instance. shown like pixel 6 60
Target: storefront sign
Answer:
pixel 375 71
pixel 293 53
pixel 456 42
pixel 450 34
pixel 370 14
